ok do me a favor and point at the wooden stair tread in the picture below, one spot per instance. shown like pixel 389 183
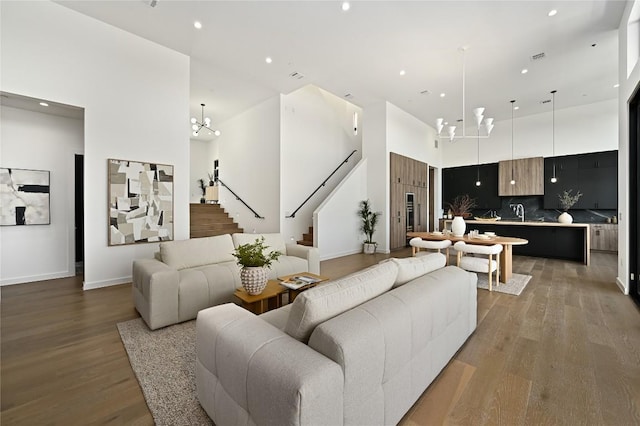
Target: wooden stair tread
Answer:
pixel 209 220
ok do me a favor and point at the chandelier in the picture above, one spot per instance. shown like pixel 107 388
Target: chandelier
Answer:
pixel 478 113
pixel 205 123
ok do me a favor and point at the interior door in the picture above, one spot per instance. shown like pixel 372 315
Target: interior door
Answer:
pixel 634 205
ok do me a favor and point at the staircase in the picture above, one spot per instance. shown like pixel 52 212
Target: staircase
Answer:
pixel 307 239
pixel 208 220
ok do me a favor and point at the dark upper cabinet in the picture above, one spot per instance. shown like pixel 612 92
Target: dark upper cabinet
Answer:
pixel 594 174
pixel 462 180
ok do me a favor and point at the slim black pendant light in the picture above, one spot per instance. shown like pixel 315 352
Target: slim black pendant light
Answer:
pixel 513 181
pixel 478 183
pixel 554 179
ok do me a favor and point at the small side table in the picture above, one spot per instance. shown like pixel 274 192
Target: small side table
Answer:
pixel 270 298
pixel 293 293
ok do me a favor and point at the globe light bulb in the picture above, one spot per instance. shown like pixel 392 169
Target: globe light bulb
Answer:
pixel 554 179
pixel 478 183
pixel 195 133
pixel 194 127
pixel 513 182
pixel 217 132
pixel 193 120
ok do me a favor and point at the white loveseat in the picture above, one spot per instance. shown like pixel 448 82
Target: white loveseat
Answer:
pixel 355 351
pixel 189 275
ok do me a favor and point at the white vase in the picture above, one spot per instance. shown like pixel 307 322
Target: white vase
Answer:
pixel 254 279
pixel 565 218
pixel 458 226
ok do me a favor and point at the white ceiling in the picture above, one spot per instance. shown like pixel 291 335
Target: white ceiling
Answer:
pixel 361 51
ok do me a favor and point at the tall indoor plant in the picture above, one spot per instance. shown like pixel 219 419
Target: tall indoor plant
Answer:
pixel 369 220
pixel 255 258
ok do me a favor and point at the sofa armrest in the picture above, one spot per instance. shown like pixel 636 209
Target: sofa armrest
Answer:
pixel 311 254
pixel 265 374
pixel 155 289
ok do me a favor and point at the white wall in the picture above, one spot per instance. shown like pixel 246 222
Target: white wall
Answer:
pixel 587 128
pixel 317 135
pixel 248 151
pixel 39 252
pixel 337 217
pixel 629 82
pixel 136 99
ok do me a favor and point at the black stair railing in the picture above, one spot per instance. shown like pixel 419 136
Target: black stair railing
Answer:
pixel 346 160
pixel 239 199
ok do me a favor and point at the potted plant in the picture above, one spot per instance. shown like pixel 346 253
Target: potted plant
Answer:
pixel 566 202
pixel 368 225
pixel 460 208
pixel 203 188
pixel 254 259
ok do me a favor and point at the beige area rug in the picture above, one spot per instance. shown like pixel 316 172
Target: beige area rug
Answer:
pixel 516 284
pixel 164 363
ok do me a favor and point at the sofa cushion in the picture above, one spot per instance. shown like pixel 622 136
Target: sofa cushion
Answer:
pixel 277 317
pixel 413 267
pixel 316 305
pixel 197 251
pixel 273 241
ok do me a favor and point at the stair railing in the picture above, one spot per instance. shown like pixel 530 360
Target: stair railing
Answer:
pixel 239 199
pixel 346 160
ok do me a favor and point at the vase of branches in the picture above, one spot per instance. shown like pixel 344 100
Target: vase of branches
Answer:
pixel 460 207
pixel 566 202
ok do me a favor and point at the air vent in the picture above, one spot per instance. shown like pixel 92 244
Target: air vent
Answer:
pixel 296 75
pixel 425 92
pixel 348 96
pixel 538 56
pixel 545 101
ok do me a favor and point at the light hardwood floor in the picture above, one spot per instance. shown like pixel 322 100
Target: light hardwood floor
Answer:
pixel 564 352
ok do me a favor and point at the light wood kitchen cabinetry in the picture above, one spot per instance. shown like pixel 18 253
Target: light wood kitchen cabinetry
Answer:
pixel 528 174
pixel 604 237
pixel 407 176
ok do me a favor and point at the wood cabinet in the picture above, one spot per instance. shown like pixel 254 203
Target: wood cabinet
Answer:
pixel 604 237
pixel 595 175
pixel 462 180
pixel 407 176
pixel 528 174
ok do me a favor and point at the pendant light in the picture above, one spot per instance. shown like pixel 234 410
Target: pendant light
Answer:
pixel 513 181
pixel 554 179
pixel 204 123
pixel 478 183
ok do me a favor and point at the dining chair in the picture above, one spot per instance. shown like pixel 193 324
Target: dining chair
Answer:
pixel 484 263
pixel 418 243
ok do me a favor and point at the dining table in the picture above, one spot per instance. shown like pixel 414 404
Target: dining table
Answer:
pixel 506 255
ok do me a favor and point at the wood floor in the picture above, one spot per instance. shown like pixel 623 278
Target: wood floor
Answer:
pixel 564 352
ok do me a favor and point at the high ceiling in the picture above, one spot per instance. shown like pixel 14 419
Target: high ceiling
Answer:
pixel 361 51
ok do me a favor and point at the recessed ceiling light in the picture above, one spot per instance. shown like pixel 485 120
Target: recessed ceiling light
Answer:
pixel 516 108
pixel 346 6
pixel 552 12
pixel 524 71
pixel 442 95
pixel 268 59
pixel 44 104
pixel 615 86
pixel 197 24
pixel 402 72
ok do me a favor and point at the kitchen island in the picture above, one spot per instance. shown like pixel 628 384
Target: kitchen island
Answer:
pixel 567 241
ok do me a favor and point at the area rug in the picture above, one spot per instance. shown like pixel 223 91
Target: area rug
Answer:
pixel 164 364
pixel 514 286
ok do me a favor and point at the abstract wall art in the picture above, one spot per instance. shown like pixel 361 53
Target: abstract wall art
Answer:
pixel 24 197
pixel 140 202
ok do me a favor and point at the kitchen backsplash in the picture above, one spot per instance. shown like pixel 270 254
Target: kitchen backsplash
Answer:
pixel 534 211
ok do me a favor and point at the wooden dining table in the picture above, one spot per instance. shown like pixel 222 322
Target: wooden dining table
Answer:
pixel 506 255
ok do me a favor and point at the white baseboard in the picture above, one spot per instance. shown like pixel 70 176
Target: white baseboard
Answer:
pixel 621 286
pixel 106 283
pixel 31 278
pixel 340 254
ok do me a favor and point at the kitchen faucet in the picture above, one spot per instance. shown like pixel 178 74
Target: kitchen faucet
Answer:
pixel 519 210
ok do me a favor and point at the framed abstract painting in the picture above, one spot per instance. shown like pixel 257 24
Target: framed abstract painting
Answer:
pixel 24 197
pixel 140 202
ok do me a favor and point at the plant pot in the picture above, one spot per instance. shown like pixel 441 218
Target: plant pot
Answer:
pixel 254 279
pixel 369 248
pixel 565 218
pixel 458 226
pixel 202 200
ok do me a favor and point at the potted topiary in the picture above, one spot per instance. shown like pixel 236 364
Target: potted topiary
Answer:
pixel 566 202
pixel 203 188
pixel 368 226
pixel 254 259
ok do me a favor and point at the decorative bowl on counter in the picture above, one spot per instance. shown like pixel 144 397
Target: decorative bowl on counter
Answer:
pixel 487 219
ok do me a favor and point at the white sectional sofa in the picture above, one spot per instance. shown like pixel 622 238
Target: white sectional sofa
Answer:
pixel 355 351
pixel 189 275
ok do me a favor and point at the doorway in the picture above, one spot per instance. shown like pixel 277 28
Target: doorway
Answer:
pixel 634 205
pixel 432 200
pixel 79 213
